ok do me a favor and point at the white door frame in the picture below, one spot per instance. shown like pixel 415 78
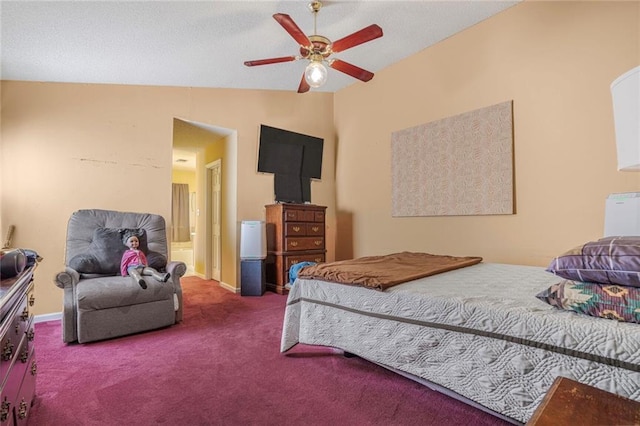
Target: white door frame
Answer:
pixel 213 223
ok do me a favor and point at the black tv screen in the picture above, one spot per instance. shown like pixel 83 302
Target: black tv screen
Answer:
pixel 290 189
pixel 279 149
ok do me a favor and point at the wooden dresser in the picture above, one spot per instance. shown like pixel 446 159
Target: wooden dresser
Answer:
pixel 295 233
pixel 569 403
pixel 17 356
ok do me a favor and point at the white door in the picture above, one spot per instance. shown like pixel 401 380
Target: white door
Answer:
pixel 214 185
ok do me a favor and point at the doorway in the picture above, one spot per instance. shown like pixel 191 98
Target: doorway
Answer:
pixel 183 205
pixel 214 238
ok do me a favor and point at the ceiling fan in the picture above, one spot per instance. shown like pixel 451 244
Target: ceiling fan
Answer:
pixel 317 49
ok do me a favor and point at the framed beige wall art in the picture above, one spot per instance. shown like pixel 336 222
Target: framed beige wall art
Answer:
pixel 456 166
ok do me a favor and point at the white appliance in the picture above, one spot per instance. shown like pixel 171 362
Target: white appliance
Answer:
pixel 625 92
pixel 253 239
pixel 622 214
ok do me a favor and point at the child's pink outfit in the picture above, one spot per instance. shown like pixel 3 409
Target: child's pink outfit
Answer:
pixel 132 258
pixel 134 263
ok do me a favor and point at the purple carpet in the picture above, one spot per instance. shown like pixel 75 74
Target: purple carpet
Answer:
pixel 222 366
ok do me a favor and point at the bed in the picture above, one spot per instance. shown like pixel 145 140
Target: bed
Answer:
pixel 478 333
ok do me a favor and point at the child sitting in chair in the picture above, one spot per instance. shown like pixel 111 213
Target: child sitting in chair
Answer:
pixel 134 263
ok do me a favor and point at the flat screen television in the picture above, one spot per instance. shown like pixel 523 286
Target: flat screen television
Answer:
pixel 279 148
pixel 292 189
pixel 294 158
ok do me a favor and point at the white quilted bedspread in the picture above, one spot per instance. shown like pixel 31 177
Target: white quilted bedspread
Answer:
pixel 478 331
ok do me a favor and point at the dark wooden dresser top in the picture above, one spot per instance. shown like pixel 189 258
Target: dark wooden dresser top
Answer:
pixel 573 403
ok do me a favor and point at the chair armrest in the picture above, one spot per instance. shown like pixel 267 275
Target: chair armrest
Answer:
pixel 68 278
pixel 176 269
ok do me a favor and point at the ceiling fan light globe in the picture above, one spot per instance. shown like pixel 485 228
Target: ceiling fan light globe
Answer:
pixel 315 74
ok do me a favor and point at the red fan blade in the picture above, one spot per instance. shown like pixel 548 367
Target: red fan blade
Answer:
pixel 352 70
pixel 293 29
pixel 270 61
pixel 364 35
pixel 304 86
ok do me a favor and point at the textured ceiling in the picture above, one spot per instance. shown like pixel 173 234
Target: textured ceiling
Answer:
pixel 204 44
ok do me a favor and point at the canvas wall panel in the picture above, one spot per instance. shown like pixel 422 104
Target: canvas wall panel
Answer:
pixel 460 165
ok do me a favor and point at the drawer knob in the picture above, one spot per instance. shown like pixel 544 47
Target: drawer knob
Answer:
pixel 315 228
pixel 7 351
pixel 31 334
pixel 24 356
pixel 318 259
pixel 32 300
pixel 4 411
pixel 25 314
pixel 22 411
pixel 34 368
pixel 293 244
pixel 296 228
pixel 318 242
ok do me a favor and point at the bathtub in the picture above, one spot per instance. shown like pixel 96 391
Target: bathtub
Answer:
pixel 183 252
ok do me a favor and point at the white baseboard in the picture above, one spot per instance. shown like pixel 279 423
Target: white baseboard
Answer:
pixel 56 316
pixel 229 287
pixel 222 284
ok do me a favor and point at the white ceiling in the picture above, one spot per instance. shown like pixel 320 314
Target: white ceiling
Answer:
pixel 205 43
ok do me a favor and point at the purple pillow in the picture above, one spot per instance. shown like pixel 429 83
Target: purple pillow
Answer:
pixel 611 260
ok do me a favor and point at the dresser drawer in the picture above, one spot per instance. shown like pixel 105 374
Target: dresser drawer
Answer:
pixel 291 215
pixel 292 260
pixel 315 229
pixel 307 215
pixel 20 364
pixel 13 329
pixel 301 216
pixel 25 398
pixel 7 396
pixel 298 216
pixel 13 382
pixel 295 229
pixel 300 229
pixel 304 243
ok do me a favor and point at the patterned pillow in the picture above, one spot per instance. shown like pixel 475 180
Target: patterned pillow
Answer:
pixel 610 301
pixel 611 260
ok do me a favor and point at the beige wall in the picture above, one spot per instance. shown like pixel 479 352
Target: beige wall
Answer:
pixel 556 61
pixel 75 146
pixel 184 176
pixel 71 146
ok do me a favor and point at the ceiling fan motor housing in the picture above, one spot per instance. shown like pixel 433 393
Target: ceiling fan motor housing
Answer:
pixel 320 48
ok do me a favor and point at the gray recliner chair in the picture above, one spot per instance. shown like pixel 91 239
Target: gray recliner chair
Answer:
pixel 100 303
